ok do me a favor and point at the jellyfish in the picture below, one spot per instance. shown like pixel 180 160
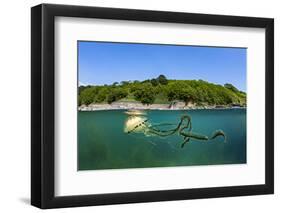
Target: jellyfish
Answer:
pixel 138 123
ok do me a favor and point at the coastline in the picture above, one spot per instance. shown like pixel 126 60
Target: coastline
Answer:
pixel 139 106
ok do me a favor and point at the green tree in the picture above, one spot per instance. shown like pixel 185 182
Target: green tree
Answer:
pixel 124 83
pixel 154 82
pixel 115 84
pixel 187 94
pixel 101 95
pixel 162 79
pixel 172 90
pixel 116 94
pixel 145 94
pixel 87 96
pixel 231 87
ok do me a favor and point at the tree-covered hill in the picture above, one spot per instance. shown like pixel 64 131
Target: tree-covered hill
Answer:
pixel 163 90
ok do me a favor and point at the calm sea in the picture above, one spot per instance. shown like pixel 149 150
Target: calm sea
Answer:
pixel 103 144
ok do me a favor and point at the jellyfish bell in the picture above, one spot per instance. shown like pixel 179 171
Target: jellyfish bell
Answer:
pixel 135 124
pixel 135 112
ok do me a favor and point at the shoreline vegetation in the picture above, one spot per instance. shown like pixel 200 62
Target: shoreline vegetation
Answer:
pixel 160 94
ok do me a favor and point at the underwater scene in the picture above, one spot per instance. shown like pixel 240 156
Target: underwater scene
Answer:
pixel 119 139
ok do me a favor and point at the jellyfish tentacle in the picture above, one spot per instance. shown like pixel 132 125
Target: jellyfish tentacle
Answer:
pixel 178 127
pixel 162 131
pixel 193 135
pixel 158 132
pixel 218 133
pixel 187 126
pixel 163 124
pixel 185 141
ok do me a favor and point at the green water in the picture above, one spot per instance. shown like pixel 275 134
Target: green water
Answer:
pixel 103 144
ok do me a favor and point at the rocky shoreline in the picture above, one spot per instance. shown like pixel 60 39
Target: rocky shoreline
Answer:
pixel 140 106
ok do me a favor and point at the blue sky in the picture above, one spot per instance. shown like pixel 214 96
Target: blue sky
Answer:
pixel 105 63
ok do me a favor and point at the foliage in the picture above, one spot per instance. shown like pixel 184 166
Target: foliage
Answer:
pixel 87 95
pixel 163 90
pixel 162 80
pixel 116 94
pixel 231 87
pixel 154 82
pixel 145 94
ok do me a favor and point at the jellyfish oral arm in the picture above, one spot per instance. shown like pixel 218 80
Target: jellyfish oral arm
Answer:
pixel 218 133
pixel 193 135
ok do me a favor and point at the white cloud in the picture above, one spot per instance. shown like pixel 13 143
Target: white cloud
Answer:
pixel 81 83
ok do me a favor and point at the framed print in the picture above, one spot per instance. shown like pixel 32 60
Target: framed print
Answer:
pixel 139 106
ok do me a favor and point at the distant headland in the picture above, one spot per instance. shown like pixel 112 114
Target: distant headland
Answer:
pixel 160 93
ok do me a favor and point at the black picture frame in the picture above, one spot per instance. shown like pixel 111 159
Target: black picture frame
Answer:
pixel 43 114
